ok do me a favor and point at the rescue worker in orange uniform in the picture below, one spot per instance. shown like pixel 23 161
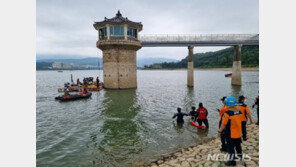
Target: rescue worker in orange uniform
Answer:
pixel 246 114
pixel 202 114
pixel 221 111
pixel 232 123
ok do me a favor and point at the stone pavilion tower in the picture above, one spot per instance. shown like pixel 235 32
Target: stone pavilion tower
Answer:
pixel 118 39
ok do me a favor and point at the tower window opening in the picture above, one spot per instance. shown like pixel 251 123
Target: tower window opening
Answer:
pixel 116 31
pixel 131 32
pixel 103 33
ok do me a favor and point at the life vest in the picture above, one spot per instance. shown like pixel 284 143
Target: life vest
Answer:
pixel 222 111
pixel 202 113
pixel 233 122
pixel 245 111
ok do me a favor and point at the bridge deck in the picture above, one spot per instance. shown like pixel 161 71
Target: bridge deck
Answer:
pixel 198 40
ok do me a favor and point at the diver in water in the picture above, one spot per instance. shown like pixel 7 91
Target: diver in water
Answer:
pixel 193 114
pixel 179 115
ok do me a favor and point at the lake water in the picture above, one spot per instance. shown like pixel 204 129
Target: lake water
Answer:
pixel 124 127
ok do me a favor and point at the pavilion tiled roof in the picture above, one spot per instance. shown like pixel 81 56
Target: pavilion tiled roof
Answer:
pixel 118 19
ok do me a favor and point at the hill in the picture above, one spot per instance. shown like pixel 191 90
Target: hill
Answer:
pixel 57 56
pixel 83 61
pixel 42 64
pixel 218 59
pixel 141 62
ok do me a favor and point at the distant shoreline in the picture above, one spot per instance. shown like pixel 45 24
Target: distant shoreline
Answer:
pixel 211 69
pixel 201 69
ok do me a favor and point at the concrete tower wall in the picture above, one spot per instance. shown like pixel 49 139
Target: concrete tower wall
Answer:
pixel 127 69
pixel 119 63
pixel 120 68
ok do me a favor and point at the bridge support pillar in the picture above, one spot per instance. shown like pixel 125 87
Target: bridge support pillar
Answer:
pixel 236 66
pixel 190 67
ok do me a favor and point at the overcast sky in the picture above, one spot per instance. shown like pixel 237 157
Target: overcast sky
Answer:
pixel 65 27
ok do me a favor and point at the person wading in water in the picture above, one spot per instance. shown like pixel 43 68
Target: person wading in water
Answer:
pixel 193 114
pixel 202 114
pixel 179 115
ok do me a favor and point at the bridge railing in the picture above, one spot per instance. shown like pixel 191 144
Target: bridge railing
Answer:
pixel 201 37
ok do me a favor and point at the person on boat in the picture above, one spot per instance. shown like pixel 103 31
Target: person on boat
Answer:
pixel 232 124
pixel 179 115
pixel 202 114
pixel 257 104
pixel 78 82
pixel 222 136
pixel 98 82
pixel 67 92
pixel 193 114
pixel 246 114
pixel 66 85
pixel 84 81
pixel 84 92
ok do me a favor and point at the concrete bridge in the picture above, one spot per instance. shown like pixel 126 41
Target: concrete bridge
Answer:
pixel 170 40
pixel 190 41
pixel 119 39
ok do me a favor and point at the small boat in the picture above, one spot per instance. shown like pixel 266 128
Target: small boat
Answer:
pixel 89 88
pixel 194 124
pixel 73 97
pixel 71 89
pixel 60 71
pixel 228 75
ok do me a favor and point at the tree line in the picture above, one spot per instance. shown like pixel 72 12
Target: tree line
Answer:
pixel 218 59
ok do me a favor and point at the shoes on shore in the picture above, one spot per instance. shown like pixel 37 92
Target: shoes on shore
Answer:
pixel 238 158
pixel 230 163
pixel 245 139
pixel 223 149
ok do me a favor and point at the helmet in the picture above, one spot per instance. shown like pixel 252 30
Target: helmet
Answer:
pixel 230 101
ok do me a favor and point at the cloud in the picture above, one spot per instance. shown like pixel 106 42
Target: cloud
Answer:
pixel 66 27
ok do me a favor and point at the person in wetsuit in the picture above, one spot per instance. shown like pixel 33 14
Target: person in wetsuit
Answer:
pixel 193 114
pixel 257 104
pixel 179 115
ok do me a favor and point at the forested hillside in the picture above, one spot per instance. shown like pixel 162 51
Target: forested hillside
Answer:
pixel 217 59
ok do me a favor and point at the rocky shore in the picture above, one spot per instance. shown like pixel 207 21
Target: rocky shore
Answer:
pixel 197 156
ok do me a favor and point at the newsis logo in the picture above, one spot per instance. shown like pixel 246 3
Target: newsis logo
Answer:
pixel 227 157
